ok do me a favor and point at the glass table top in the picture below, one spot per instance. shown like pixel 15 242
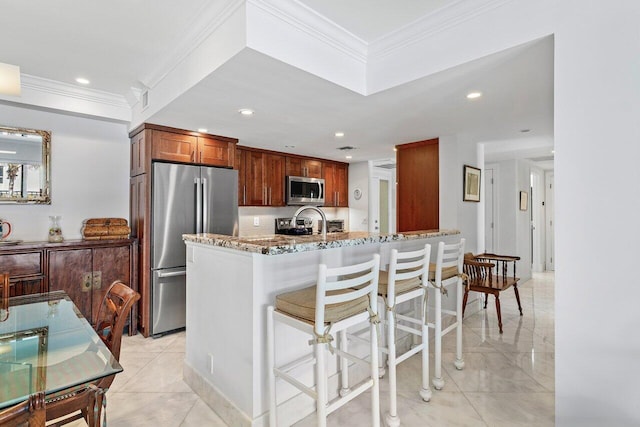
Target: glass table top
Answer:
pixel 46 344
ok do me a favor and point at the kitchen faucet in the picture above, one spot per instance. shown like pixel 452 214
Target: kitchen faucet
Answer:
pixel 313 208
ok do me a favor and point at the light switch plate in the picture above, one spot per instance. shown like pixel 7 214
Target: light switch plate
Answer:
pixel 256 221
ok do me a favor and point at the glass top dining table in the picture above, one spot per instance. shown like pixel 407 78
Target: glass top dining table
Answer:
pixel 47 345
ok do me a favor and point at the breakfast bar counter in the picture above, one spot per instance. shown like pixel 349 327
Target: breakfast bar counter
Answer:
pixel 230 283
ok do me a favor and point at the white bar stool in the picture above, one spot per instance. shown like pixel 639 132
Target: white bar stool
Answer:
pixel 402 283
pixel 343 297
pixel 447 271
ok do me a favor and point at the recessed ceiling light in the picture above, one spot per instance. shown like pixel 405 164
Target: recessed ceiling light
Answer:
pixel 82 81
pixel 339 134
pixel 553 151
pixel 245 112
pixel 348 157
pixel 474 95
pixel 525 130
pixel 203 130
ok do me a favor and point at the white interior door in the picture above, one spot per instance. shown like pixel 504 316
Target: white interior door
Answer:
pixel 549 220
pixel 489 209
pixel 537 221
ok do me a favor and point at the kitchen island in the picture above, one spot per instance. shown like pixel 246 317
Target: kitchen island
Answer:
pixel 230 283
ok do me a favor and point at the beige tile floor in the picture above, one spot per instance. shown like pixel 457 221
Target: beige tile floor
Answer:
pixel 508 379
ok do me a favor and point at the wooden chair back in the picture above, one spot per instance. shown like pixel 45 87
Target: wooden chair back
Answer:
pixel 112 315
pixel 30 413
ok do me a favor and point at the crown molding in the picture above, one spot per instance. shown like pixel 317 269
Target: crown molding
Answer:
pixel 310 22
pixel 56 95
pixel 57 88
pixel 207 20
pixel 427 26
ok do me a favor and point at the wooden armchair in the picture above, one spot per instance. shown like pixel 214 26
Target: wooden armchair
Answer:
pixel 480 278
pixel 29 413
pixel 110 321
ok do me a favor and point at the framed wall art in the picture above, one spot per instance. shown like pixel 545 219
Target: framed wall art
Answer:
pixel 471 185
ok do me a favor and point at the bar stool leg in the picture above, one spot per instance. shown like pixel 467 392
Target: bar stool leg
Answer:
pixel 438 382
pixel 375 388
pixel 382 358
pixel 425 392
pixel 459 362
pixel 321 384
pixel 344 365
pixel 392 419
pixel 270 367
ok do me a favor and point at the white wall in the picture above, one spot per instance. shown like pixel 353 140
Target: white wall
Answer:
pixel 359 209
pixel 89 173
pixel 597 134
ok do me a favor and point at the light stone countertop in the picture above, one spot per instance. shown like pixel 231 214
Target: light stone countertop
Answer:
pixel 277 244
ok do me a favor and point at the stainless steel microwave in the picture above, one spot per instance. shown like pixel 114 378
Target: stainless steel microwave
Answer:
pixel 305 191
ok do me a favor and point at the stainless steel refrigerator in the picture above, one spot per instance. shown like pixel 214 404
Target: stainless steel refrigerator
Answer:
pixel 186 199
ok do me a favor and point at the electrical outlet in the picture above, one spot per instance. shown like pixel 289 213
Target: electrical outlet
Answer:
pixel 256 221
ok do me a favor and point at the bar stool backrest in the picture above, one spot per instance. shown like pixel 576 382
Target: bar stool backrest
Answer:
pixel 449 255
pixel 407 266
pixel 351 282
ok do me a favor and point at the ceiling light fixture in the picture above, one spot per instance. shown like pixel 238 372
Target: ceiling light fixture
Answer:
pixel 474 95
pixel 525 130
pixel 203 130
pixel 7 152
pixel 82 81
pixel 339 134
pixel 348 157
pixel 245 112
pixel 9 79
pixel 553 151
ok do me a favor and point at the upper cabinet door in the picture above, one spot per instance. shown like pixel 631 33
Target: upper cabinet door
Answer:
pixel 174 147
pixel 213 152
pixel 138 158
pixel 274 179
pixel 297 166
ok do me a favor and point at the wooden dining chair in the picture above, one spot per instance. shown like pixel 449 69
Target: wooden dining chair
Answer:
pixel 481 278
pixel 29 413
pixel 110 321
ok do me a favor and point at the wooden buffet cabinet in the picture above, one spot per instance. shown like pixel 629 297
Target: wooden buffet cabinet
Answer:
pixel 151 143
pixel 84 269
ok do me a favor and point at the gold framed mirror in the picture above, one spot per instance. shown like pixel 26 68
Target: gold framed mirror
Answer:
pixel 25 160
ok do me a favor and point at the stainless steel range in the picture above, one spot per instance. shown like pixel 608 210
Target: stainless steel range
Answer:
pixel 303 225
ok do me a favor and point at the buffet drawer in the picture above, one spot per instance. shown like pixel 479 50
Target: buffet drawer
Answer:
pixel 22 264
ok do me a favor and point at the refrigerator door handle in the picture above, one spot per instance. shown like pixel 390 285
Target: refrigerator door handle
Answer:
pixel 198 205
pixel 172 273
pixel 205 206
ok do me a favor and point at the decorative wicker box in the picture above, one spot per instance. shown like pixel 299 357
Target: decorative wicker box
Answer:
pixel 105 229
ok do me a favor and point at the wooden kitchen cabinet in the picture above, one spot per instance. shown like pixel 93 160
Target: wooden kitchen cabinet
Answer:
pixel 261 178
pixel 149 143
pixel 174 147
pixel 299 166
pixel 83 269
pixel 336 182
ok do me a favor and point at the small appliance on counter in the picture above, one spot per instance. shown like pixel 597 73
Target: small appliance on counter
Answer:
pixel 333 225
pixel 303 225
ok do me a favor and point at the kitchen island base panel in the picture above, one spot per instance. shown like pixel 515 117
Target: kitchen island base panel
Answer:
pixel 228 292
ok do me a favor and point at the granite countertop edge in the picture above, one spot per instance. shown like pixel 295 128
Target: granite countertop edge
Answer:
pixel 278 244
